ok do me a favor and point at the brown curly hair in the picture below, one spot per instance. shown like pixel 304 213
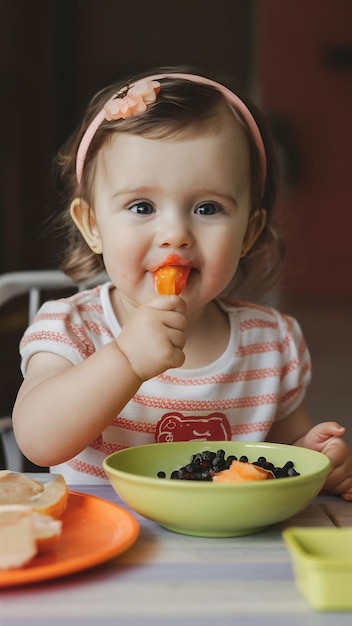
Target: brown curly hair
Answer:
pixel 182 108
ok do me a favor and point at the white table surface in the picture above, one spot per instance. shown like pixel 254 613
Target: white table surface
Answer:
pixel 169 579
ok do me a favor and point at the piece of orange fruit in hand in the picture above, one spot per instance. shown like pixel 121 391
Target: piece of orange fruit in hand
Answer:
pixel 171 279
pixel 242 472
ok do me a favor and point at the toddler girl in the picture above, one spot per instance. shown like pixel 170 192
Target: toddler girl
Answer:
pixel 172 174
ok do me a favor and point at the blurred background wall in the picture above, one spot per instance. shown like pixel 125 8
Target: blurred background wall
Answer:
pixel 294 58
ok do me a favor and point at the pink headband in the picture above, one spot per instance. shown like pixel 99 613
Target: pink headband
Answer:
pixel 135 102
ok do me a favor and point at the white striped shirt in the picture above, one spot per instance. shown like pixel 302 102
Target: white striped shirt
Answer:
pixel 261 377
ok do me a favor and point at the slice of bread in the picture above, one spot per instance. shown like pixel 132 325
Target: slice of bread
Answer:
pixel 48 498
pixel 29 516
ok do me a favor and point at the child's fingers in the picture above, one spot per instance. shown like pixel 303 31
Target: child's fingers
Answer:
pixel 334 429
pixel 321 434
pixel 345 488
pixel 347 495
pixel 336 449
pixel 168 303
pixel 337 452
pixel 339 479
pixel 342 487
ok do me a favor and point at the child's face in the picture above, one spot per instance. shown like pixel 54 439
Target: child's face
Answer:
pixel 189 197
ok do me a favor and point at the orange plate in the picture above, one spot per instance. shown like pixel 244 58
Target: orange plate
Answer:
pixel 93 531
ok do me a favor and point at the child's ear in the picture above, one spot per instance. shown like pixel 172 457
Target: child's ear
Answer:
pixel 84 218
pixel 255 226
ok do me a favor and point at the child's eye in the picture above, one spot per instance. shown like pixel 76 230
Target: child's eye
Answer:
pixel 208 208
pixel 142 207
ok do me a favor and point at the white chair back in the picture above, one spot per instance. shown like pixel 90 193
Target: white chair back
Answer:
pixel 12 285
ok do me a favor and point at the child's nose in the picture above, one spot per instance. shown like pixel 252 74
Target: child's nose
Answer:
pixel 175 232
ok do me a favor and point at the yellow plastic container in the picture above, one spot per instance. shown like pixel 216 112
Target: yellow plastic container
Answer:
pixel 322 564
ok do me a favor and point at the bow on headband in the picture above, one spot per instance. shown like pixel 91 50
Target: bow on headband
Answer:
pixel 134 102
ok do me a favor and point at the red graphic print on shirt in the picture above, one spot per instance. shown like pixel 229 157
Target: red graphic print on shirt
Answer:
pixel 177 427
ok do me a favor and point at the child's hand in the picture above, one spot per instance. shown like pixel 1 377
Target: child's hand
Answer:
pixel 153 338
pixel 325 438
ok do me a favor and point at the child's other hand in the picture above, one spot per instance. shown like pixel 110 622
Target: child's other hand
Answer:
pixel 153 338
pixel 325 438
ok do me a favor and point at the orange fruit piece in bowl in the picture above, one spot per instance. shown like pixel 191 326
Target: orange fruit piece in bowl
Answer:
pixel 242 472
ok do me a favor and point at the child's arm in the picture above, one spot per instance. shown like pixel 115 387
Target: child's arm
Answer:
pixel 62 408
pixel 297 430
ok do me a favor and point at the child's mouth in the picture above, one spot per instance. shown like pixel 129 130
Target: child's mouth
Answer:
pixel 171 277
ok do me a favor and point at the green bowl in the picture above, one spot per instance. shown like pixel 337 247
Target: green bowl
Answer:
pixel 208 509
pixel 322 564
